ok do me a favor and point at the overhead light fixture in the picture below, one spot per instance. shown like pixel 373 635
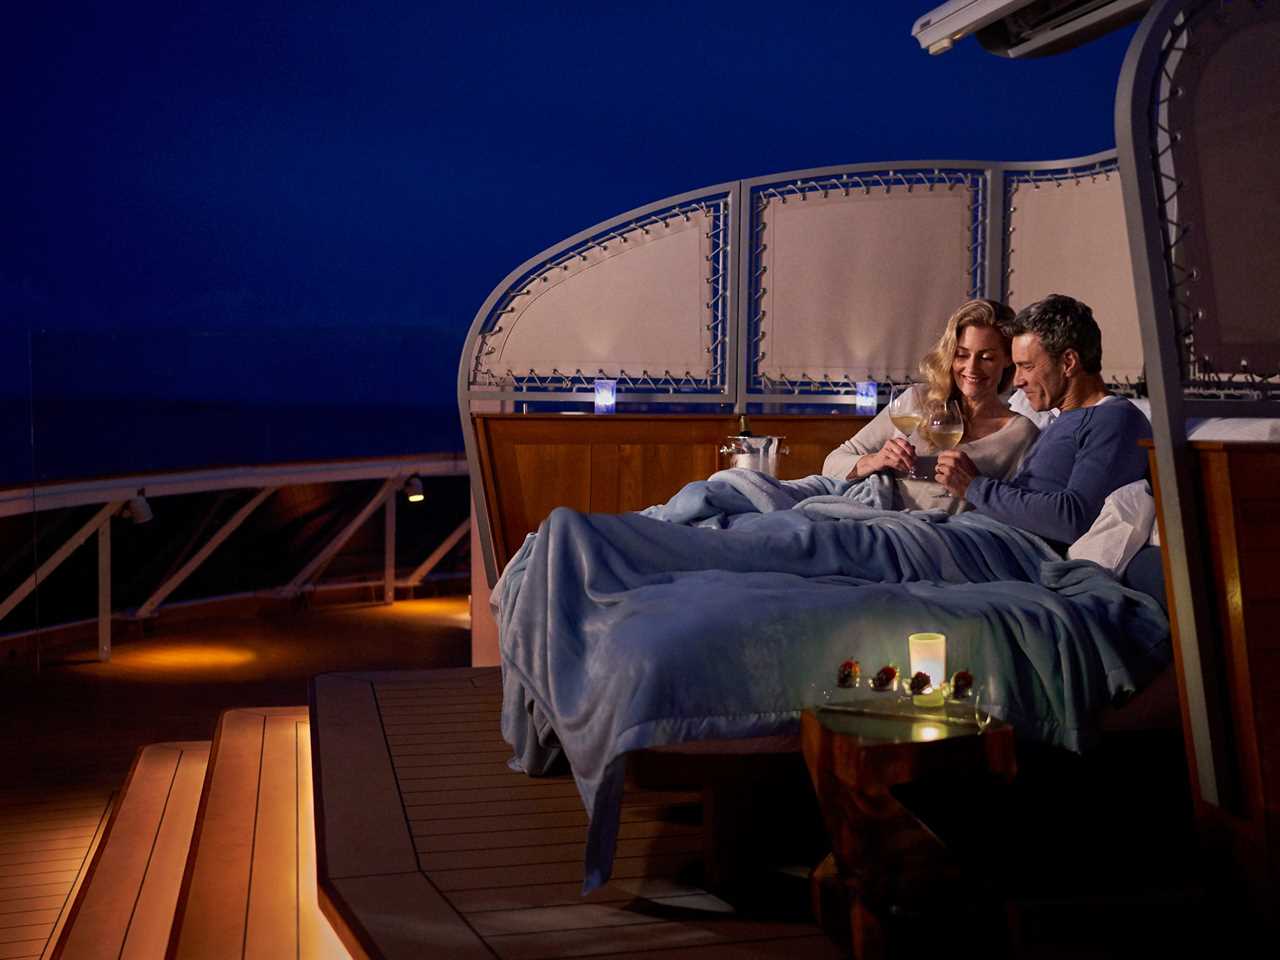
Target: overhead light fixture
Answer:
pixel 137 509
pixel 413 490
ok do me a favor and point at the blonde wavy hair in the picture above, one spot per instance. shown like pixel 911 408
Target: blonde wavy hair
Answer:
pixel 940 385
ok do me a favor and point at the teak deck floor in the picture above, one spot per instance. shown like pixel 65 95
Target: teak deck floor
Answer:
pixel 422 827
pixel 46 839
pixel 69 734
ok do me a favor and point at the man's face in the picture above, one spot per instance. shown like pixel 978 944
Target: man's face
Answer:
pixel 1039 376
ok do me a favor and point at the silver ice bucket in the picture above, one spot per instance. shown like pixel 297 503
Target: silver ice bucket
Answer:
pixel 754 452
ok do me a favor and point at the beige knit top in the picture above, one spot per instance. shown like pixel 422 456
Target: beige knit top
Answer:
pixel 996 455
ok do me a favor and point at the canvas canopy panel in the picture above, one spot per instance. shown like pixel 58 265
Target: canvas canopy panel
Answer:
pixel 634 304
pixel 1223 214
pixel 1068 236
pixel 859 286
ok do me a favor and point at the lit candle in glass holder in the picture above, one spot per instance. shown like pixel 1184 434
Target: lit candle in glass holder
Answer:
pixel 929 655
pixel 925 732
pixel 606 395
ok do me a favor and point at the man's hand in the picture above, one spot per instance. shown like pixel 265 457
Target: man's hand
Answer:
pixel 896 454
pixel 955 472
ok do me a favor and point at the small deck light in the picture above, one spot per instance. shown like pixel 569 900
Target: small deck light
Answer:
pixel 606 395
pixel 413 490
pixel 866 395
pixel 137 509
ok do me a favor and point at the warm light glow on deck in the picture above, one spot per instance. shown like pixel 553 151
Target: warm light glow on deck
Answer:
pixel 186 657
pixel 455 611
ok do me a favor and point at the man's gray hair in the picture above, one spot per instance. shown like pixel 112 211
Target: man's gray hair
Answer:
pixel 1062 323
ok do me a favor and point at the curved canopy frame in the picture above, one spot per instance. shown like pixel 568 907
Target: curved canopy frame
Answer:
pixel 780 289
pixel 788 290
pixel 1197 129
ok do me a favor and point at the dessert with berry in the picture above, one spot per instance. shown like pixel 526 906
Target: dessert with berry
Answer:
pixel 885 677
pixel 849 673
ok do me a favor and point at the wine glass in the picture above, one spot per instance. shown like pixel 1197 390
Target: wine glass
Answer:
pixel 944 426
pixel 904 411
pixel 982 715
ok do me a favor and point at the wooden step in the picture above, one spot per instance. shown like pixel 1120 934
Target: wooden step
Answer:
pixel 125 904
pixel 249 889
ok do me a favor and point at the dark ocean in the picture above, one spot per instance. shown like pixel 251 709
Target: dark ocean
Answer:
pixel 77 437
pixel 87 403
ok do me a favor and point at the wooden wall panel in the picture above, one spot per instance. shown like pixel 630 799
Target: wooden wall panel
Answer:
pixel 650 473
pixel 533 463
pixel 1241 509
pixel 1254 472
pixel 551 475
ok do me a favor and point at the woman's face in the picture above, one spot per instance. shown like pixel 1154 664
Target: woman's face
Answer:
pixel 981 359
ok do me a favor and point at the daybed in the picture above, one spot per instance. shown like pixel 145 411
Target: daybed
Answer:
pixel 723 613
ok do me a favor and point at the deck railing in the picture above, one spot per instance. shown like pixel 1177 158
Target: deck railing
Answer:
pixel 109 500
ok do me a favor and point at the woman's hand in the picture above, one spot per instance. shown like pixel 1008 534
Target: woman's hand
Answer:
pixel 896 454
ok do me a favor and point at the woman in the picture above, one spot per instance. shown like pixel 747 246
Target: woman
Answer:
pixel 971 365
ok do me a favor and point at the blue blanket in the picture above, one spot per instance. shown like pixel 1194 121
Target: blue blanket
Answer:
pixel 726 611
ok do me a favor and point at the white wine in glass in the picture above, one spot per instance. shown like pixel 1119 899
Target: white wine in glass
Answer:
pixel 904 410
pixel 948 438
pixel 906 422
pixel 945 428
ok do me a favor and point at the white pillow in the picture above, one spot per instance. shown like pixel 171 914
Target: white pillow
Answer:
pixel 1123 527
pixel 1259 429
pixel 1264 429
pixel 1019 403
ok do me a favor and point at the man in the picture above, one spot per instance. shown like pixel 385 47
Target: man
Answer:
pixel 1091 448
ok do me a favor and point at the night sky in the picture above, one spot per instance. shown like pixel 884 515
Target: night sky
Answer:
pixel 249 231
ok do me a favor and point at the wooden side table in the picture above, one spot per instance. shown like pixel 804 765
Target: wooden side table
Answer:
pixel 883 858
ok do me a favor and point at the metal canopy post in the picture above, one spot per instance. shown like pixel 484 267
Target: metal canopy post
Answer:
pixel 739 355
pixel 997 251
pixel 1191 585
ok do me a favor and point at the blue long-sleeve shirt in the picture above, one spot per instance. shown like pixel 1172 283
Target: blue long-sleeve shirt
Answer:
pixel 1077 462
